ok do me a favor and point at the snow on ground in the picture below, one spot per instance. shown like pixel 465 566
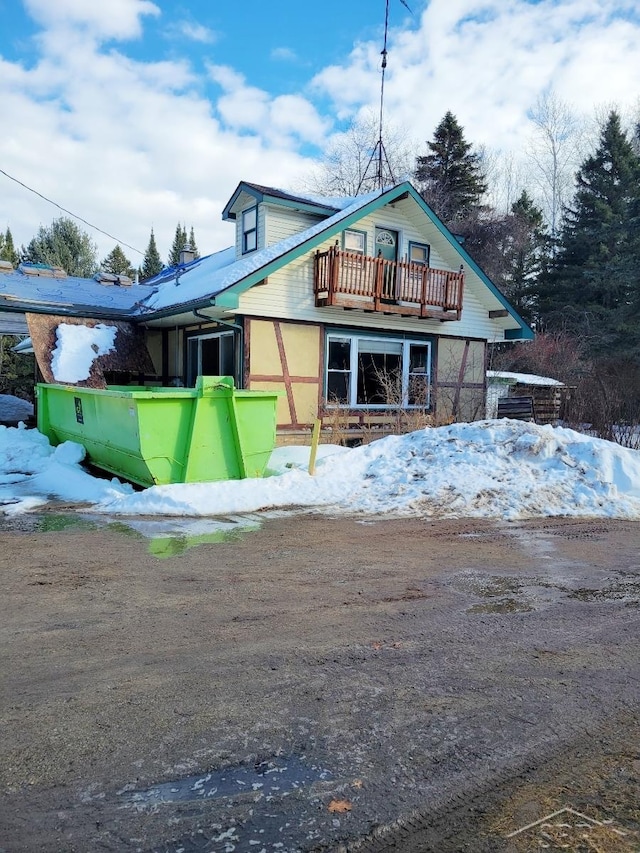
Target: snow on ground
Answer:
pixel 495 469
pixel 76 349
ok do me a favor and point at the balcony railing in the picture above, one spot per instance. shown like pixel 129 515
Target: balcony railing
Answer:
pixel 349 280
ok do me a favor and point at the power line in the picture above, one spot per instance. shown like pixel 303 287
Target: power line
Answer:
pixel 75 216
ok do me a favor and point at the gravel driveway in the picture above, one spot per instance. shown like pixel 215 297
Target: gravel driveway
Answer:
pixel 320 684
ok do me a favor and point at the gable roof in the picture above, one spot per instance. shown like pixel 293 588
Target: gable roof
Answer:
pixel 319 205
pixel 219 279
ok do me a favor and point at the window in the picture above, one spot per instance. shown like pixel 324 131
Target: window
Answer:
pixel 419 254
pixel 249 230
pixel 210 355
pixel 355 242
pixel 379 372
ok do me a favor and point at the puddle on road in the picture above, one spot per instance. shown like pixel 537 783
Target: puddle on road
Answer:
pixel 167 537
pixel 277 777
pixel 55 522
pixel 627 591
pixel 488 586
pixel 504 605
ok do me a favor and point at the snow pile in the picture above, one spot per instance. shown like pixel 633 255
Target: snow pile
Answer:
pixel 494 469
pixel 14 408
pixel 32 472
pixel 77 348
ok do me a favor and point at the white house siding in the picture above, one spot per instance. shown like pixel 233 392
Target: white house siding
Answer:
pixel 289 292
pixel 282 222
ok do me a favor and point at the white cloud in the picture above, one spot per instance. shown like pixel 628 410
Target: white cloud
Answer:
pixel 282 120
pixel 488 60
pixel 285 54
pixel 126 145
pixel 115 19
pixel 193 32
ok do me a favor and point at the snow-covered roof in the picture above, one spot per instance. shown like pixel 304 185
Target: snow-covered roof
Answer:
pixel 208 276
pixel 520 378
pixel 89 297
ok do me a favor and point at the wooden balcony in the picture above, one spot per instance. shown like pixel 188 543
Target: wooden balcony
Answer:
pixel 348 280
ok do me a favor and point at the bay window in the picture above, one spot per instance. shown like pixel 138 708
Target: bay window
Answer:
pixel 364 372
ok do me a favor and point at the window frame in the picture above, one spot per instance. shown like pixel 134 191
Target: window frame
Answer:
pixel 246 232
pixel 198 338
pixel 362 234
pixel 426 246
pixel 355 340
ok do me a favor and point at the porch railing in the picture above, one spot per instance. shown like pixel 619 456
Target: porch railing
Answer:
pixel 358 281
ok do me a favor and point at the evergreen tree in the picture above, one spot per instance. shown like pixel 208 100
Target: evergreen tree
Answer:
pixel 152 263
pixel 450 177
pixel 65 245
pixel 117 263
pixel 179 242
pixel 526 253
pixel 192 243
pixel 594 283
pixel 8 249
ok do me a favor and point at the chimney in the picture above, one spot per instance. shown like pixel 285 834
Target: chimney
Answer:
pixel 187 254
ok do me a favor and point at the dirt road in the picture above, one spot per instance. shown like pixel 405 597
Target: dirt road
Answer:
pixel 320 684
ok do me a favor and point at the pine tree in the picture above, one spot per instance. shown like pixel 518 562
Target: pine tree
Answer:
pixel 179 242
pixel 450 177
pixel 594 282
pixel 117 263
pixel 152 263
pixel 65 245
pixel 8 249
pixel 526 253
pixel 192 243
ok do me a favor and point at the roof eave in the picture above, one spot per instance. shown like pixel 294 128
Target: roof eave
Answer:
pixel 259 196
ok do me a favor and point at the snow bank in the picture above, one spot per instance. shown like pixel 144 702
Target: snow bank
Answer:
pixel 493 469
pixel 32 472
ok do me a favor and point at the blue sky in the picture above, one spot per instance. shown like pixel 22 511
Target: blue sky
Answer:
pixel 135 113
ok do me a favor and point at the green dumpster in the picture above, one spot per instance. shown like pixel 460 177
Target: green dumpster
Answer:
pixel 154 436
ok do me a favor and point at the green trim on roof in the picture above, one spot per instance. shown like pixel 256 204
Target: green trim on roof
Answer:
pixel 526 334
pixel 525 330
pixel 229 298
pixel 305 206
pixel 225 299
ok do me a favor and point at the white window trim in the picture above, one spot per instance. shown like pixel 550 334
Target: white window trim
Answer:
pixel 354 340
pixel 244 232
pixel 360 233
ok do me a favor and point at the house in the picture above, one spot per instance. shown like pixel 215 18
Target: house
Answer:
pixel 352 307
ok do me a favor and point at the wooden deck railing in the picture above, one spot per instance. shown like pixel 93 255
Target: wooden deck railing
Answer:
pixel 349 280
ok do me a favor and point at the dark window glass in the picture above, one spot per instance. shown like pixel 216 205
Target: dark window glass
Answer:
pixel 379 379
pixel 338 371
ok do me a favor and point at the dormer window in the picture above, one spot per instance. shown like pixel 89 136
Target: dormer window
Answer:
pixel 249 230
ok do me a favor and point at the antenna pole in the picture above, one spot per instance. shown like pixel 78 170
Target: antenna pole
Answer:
pixel 379 153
